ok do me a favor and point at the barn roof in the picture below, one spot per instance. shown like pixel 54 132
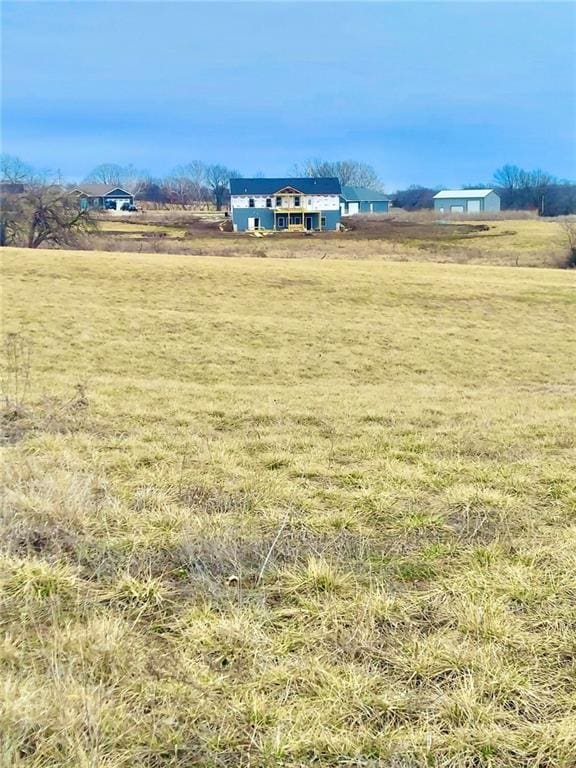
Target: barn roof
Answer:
pixel 454 194
pixel 363 194
pixel 306 186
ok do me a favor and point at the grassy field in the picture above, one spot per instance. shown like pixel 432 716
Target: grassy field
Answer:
pixel 135 229
pixel 400 236
pixel 270 513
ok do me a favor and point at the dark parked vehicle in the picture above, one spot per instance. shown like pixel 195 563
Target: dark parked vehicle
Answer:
pixel 128 207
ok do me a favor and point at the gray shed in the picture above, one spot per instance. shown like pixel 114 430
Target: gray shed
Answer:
pixel 466 201
pixel 362 200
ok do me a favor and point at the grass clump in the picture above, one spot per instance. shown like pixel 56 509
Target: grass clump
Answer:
pixel 28 578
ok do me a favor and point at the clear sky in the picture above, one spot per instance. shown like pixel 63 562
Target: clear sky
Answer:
pixel 430 93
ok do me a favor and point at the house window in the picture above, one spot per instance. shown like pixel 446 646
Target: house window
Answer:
pixel 297 201
pixel 309 201
pixel 250 202
pixel 323 221
pixel 281 222
pixel 295 218
pixel 268 202
pixel 279 202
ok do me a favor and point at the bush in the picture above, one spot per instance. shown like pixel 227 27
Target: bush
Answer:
pixel 569 227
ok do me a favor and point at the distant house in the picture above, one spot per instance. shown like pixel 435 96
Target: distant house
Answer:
pixel 285 205
pixel 466 201
pixel 11 188
pixel 362 200
pixel 104 197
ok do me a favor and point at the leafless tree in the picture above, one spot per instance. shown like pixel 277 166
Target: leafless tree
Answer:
pixel 188 184
pixel 14 170
pixel 524 189
pixel 126 176
pixel 510 177
pixel 348 172
pixel 179 190
pixel 105 173
pixel 540 179
pixel 195 171
pixel 218 178
pixel 513 177
pixel 44 215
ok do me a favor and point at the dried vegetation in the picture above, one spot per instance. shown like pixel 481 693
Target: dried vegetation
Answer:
pixel 301 513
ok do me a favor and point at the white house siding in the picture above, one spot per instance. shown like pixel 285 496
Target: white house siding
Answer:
pixel 325 202
pixel 317 202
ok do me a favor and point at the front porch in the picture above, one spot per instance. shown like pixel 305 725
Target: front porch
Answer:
pixel 297 220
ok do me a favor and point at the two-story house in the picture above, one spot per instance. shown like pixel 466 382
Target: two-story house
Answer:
pixel 285 205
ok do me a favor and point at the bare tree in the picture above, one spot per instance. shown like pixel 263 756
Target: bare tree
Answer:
pixel 188 183
pixel 218 178
pixel 44 215
pixel 105 173
pixel 513 177
pixel 348 172
pixel 539 179
pixel 195 171
pixel 510 177
pixel 178 190
pixel 126 176
pixel 14 170
pixel 524 189
pixel 134 179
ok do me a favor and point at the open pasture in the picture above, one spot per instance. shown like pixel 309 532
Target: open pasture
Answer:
pixel 399 236
pixel 287 512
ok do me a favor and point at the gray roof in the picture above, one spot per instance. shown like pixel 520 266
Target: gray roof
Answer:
pixel 101 190
pixel 306 186
pixel 11 187
pixel 453 194
pixel 363 194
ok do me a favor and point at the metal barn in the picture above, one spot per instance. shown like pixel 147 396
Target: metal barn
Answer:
pixel 467 201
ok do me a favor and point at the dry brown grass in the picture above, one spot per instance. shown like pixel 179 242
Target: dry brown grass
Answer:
pixel 311 513
pixel 495 240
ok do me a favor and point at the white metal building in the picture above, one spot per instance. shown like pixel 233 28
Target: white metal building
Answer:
pixel 466 201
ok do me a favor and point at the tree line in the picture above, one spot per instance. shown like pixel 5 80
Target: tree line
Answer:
pixel 191 184
pixel 198 183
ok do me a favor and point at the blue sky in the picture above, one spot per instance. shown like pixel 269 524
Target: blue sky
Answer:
pixel 430 93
